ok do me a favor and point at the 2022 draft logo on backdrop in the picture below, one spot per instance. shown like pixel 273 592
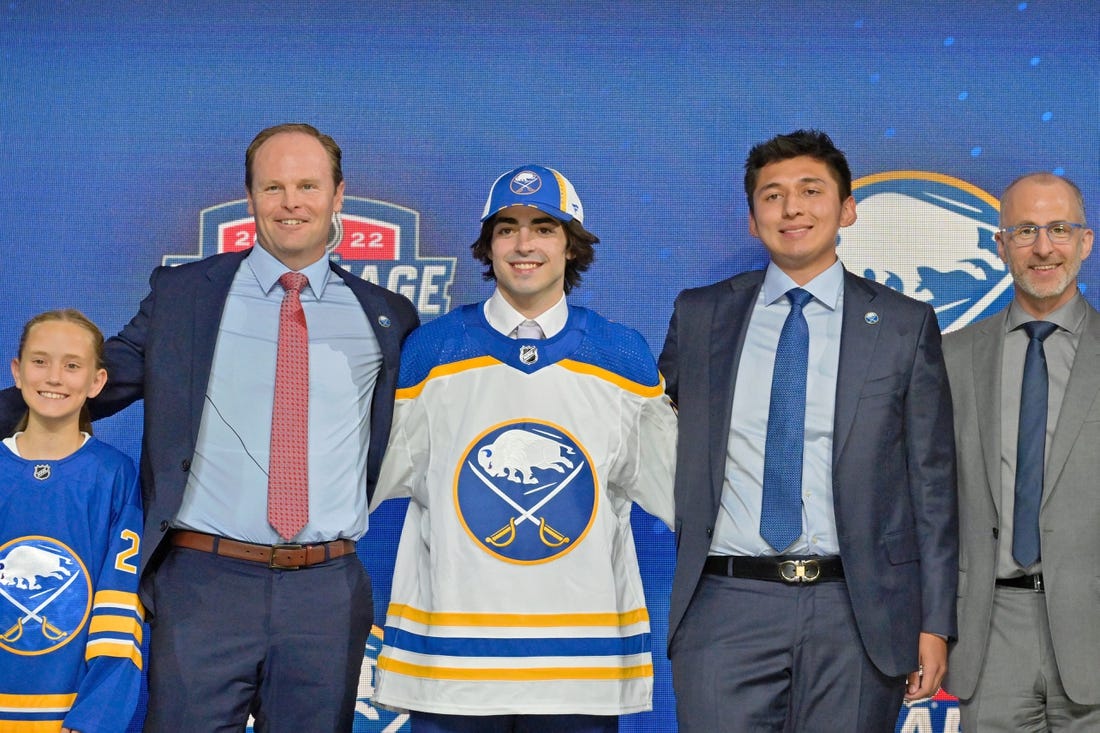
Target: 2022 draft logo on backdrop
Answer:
pixel 930 236
pixel 380 243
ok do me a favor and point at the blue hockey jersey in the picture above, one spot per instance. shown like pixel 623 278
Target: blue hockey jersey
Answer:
pixel 70 619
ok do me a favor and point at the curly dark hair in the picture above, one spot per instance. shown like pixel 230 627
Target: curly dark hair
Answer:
pixel 578 244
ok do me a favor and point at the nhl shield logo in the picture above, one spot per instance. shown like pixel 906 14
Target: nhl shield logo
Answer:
pixel 526 492
pixel 45 595
pixel 929 236
pixel 377 241
pixel 42 471
pixel 528 354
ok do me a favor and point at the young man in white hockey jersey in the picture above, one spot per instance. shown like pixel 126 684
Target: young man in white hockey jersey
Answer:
pixel 524 429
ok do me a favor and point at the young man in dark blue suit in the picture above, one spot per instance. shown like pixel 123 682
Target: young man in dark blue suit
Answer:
pixel 246 619
pixel 815 488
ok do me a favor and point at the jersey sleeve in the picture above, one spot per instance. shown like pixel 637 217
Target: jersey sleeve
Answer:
pixel 108 693
pixel 407 453
pixel 652 443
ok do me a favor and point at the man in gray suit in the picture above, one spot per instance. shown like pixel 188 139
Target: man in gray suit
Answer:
pixel 815 487
pixel 1029 588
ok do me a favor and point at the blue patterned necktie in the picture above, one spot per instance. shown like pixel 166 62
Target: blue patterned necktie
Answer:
pixel 1031 446
pixel 781 509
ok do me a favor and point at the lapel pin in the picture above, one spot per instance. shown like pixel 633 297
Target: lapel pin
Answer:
pixel 384 321
pixel 870 318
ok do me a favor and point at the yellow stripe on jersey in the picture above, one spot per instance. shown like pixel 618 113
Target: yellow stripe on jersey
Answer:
pixel 120 600
pixel 30 726
pixel 112 648
pixel 444 370
pixel 644 390
pixel 514 674
pixel 36 703
pixel 540 620
pixel 116 624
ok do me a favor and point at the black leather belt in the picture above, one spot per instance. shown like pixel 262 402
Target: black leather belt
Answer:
pixel 1027 582
pixel 792 569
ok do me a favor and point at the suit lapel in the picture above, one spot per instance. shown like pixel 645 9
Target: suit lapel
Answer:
pixel 732 312
pixel 380 322
pixel 857 347
pixel 987 348
pixel 1081 392
pixel 209 298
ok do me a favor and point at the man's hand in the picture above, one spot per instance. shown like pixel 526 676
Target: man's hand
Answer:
pixel 932 656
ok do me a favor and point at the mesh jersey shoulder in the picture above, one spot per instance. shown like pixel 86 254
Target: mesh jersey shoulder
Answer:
pixel 616 348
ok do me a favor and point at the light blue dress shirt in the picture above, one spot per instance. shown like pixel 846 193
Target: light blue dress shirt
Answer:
pixel 226 492
pixel 737 530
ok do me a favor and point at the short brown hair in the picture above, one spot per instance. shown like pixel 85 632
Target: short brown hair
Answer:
pixel 330 146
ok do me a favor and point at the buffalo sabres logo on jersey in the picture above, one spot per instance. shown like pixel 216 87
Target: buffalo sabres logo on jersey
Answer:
pixel 45 595
pixel 525 491
pixel 525 183
pixel 929 236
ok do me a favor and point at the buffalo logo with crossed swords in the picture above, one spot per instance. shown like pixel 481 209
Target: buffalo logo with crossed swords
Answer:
pixel 525 491
pixel 45 595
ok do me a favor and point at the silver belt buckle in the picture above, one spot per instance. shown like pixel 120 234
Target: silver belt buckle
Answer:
pixel 800 571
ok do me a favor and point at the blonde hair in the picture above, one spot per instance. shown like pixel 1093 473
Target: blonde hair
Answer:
pixel 65 315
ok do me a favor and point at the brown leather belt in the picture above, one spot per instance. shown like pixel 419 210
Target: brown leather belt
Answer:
pixel 782 569
pixel 279 557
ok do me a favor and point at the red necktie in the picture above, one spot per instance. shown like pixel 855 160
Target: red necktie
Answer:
pixel 288 469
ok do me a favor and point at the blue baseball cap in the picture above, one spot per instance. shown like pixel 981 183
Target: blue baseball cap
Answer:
pixel 538 186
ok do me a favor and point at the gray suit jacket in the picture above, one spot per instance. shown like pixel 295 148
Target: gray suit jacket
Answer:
pixel 1069 516
pixel 893 456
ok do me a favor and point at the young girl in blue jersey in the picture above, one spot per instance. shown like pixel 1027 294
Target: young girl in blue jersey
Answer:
pixel 70 534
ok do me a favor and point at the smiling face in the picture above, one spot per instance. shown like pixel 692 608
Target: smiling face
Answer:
pixel 57 371
pixel 293 197
pixel 1045 272
pixel 529 253
pixel 797 213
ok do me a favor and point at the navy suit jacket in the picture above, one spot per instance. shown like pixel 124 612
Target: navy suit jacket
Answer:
pixel 893 456
pixel 164 355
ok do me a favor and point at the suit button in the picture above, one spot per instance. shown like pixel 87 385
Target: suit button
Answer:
pixel 996 533
pixel 164 525
pixel 185 465
pixel 710 531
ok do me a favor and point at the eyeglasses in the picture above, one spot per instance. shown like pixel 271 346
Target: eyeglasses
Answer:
pixel 1059 232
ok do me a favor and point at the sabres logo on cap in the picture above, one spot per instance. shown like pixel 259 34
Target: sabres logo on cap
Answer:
pixel 525 183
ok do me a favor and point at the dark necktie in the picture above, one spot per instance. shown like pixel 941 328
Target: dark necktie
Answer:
pixel 288 467
pixel 781 509
pixel 1031 446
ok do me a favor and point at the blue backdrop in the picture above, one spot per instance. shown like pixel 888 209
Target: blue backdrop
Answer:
pixel 121 123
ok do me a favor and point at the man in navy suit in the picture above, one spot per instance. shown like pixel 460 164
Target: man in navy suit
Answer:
pixel 244 619
pixel 816 533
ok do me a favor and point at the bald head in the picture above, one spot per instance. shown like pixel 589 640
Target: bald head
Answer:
pixel 1024 187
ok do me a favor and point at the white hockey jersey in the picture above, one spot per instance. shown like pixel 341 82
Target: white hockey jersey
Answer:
pixel 516 588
